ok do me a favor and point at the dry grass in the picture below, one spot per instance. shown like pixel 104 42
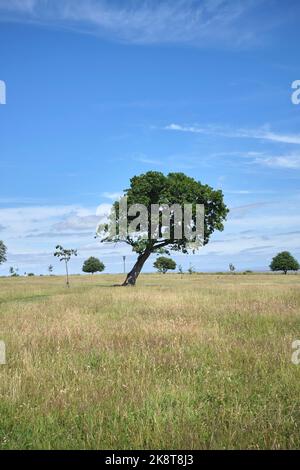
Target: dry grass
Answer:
pixel 196 362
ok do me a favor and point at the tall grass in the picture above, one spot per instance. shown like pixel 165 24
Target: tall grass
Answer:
pixel 195 362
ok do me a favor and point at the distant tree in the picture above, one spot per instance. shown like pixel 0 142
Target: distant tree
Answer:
pixel 30 274
pixel 13 272
pixel 285 262
pixel 191 269
pixel 3 251
pixel 65 255
pixel 231 268
pixel 163 264
pixel 50 269
pixel 93 265
pixel 180 270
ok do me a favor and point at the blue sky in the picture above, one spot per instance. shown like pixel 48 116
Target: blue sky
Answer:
pixel 99 91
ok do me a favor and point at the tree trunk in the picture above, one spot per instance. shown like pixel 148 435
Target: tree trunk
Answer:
pixel 67 272
pixel 133 274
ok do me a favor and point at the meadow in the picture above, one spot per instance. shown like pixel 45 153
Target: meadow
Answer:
pixel 179 362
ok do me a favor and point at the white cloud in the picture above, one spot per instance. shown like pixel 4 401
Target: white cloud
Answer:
pixel 76 222
pixel 23 219
pixel 288 161
pixel 266 221
pixel 181 128
pixel 257 233
pixel 148 161
pixel 113 196
pixel 32 232
pixel 284 138
pixel 209 22
pixel 261 133
pixel 240 211
pixel 18 5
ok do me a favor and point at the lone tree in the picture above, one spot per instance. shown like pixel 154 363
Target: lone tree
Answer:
pixel 191 269
pixel 163 264
pixel 156 188
pixel 285 262
pixel 93 265
pixel 50 269
pixel 231 268
pixel 65 255
pixel 3 251
pixel 14 272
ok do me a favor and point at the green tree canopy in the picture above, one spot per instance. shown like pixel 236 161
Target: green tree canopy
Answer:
pixel 3 251
pixel 175 188
pixel 93 265
pixel 285 262
pixel 163 264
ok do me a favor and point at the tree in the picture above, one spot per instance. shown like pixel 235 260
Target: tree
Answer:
pixel 65 255
pixel 180 269
pixel 3 251
pixel 50 269
pixel 191 269
pixel 231 268
pixel 285 262
pixel 93 265
pixel 156 188
pixel 14 272
pixel 163 264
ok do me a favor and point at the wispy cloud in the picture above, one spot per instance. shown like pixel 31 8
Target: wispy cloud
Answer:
pixel 44 226
pixel 254 227
pixel 77 222
pixel 22 200
pixel 27 6
pixel 286 161
pixel 241 211
pixel 59 235
pixel 283 138
pixel 202 23
pixel 148 161
pixel 248 192
pixel 262 133
pixel 112 196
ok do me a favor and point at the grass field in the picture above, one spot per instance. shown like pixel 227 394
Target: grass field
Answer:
pixel 194 362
